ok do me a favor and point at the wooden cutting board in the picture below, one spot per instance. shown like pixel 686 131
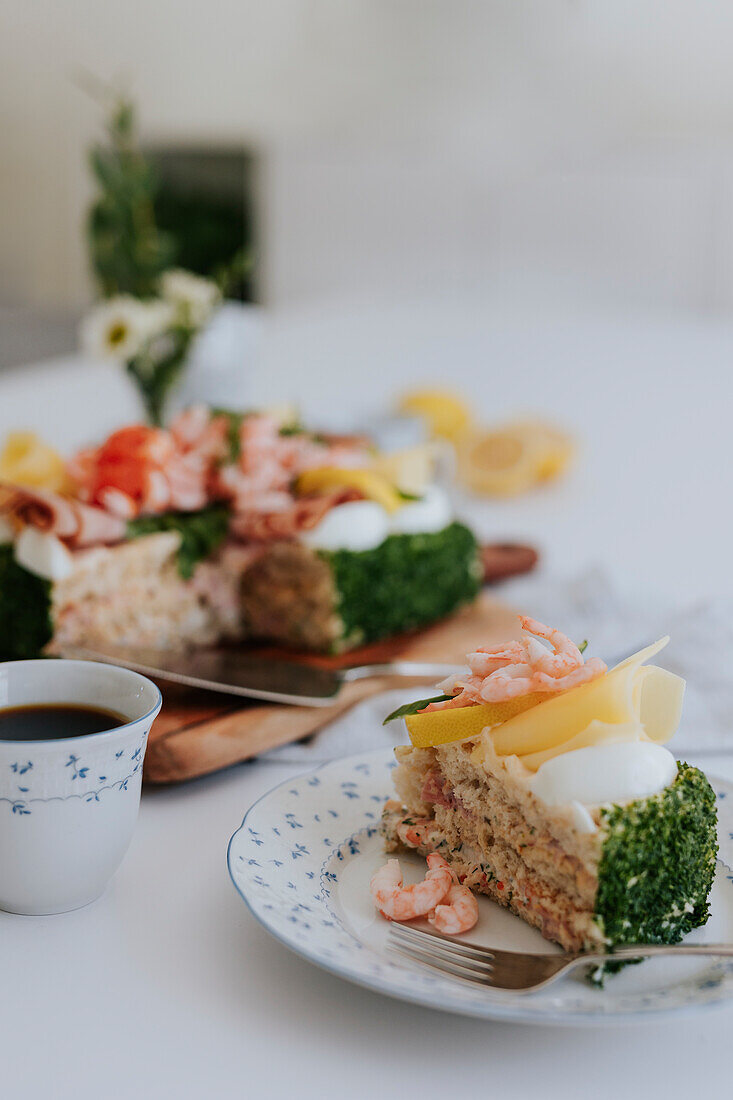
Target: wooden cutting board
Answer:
pixel 200 732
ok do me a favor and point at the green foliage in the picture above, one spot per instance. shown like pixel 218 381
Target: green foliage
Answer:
pixel 414 708
pixel 406 582
pixel 658 863
pixel 235 419
pixel 25 610
pixel 128 250
pixel 201 533
pixel 234 424
pixel 156 374
pixel 138 226
pixel 207 230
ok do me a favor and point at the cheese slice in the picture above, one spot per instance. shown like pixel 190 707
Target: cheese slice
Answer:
pixel 627 703
pixel 597 733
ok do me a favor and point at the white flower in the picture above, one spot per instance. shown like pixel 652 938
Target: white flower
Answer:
pixel 159 316
pixel 116 329
pixel 193 295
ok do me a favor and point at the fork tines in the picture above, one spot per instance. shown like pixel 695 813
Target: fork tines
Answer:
pixel 454 957
pixel 497 969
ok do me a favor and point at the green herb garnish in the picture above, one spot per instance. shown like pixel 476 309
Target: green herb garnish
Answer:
pixel 25 609
pixel 583 646
pixel 413 708
pixel 234 423
pixel 657 865
pixel 403 584
pixel 201 533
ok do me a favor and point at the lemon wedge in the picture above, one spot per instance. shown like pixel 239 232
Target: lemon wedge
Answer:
pixel 27 460
pixel 373 485
pixel 412 469
pixel 446 414
pixel 440 727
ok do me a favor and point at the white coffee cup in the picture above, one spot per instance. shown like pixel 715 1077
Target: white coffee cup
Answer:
pixel 68 807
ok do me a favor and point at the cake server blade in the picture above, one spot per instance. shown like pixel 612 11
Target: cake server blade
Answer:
pixel 236 672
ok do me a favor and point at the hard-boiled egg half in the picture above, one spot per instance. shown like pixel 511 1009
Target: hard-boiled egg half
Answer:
pixel 364 524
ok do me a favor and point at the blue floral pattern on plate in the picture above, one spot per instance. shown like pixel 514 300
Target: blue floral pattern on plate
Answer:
pixel 302 859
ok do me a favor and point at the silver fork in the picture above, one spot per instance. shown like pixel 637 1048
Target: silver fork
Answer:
pixel 515 970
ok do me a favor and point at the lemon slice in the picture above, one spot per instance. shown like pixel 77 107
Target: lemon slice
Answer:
pixel 440 727
pixel 446 414
pixel 555 448
pixel 499 463
pixel 373 485
pixel 27 460
pixel 412 470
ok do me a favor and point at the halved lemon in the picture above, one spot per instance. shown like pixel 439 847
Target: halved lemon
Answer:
pixel 440 727
pixel 446 414
pixel 373 485
pixel 503 462
pixel 555 448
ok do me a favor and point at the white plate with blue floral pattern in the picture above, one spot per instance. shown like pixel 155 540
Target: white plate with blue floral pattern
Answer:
pixel 302 860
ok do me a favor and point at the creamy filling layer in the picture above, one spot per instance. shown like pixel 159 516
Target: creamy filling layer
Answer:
pixel 499 838
pixel 499 871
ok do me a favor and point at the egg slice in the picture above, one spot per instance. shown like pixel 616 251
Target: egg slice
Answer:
pixel 7 532
pixel 358 525
pixel 43 554
pixel 432 512
pixel 618 772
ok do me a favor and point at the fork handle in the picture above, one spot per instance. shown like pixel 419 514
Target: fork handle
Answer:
pixel 406 669
pixel 646 950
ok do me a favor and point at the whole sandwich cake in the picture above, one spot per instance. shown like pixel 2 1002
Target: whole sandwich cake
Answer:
pixel 542 780
pixel 228 526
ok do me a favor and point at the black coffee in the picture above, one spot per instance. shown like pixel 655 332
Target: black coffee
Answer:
pixel 55 721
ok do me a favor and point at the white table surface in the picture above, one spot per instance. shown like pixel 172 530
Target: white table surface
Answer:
pixel 166 986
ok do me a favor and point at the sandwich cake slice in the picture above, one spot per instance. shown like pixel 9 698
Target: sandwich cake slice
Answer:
pixel 545 784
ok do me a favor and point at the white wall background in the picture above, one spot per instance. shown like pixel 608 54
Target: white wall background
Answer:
pixel 573 151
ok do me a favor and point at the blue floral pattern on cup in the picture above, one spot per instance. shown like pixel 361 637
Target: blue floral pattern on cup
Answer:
pixel 75 778
pixel 68 806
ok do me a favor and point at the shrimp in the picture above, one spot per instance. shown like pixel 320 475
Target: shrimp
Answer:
pixel 455 703
pixel 516 668
pixel 485 661
pixel 118 503
pixel 566 657
pixel 508 683
pixel 397 902
pixel 436 862
pixel 589 671
pixel 156 492
pixel 528 666
pixel 464 689
pixel 414 835
pixel 151 470
pixel 457 913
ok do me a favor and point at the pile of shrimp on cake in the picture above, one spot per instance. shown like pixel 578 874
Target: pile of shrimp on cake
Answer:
pixel 448 905
pixel 519 668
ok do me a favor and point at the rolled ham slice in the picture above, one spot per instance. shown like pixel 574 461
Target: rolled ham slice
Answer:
pixel 76 524
pixel 303 515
